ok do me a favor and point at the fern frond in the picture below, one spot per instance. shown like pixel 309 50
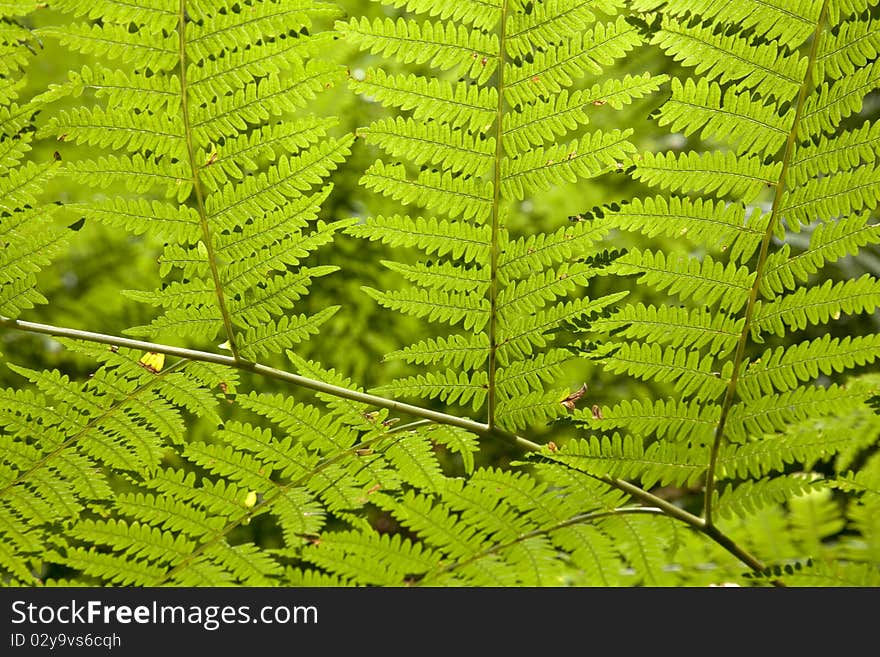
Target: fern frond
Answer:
pixel 29 244
pixel 832 197
pixel 692 373
pixel 548 72
pixel 443 45
pixel 828 243
pixel 415 462
pixel 518 411
pixel 839 100
pixel 463 197
pixel 855 43
pixel 286 332
pixel 75 433
pixel 523 377
pixel 627 457
pixel 760 458
pixel 541 169
pixel 544 120
pixel 704 108
pixel 748 497
pixel 432 144
pixel 774 413
pixel 837 574
pixel 720 173
pixel 114 40
pixel 466 353
pixel 371 558
pixel 523 336
pixel 677 326
pixel 200 118
pixel 784 369
pixel 434 523
pixel 448 307
pixel 306 423
pixel 442 276
pixel 781 20
pixel 764 90
pixel 702 221
pixel 482 14
pixel 156 15
pixel 674 420
pixel 450 386
pixel 817 305
pixel 461 240
pixel 849 150
pixel 542 24
pixel 431 98
pixel 707 282
pixel 524 297
pixel 525 255
pixel 469 150
pixel 765 67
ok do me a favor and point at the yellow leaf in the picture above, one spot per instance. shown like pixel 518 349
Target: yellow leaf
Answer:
pixel 153 361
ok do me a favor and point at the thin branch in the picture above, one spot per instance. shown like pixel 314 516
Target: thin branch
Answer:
pixel 207 237
pixel 263 370
pixel 495 248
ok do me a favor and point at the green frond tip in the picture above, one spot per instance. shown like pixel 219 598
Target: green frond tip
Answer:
pixel 471 311
pixel 458 239
pixel 464 353
pixel 706 281
pixel 543 168
pixel 445 46
pixel 450 386
pixel 482 14
pixel 286 332
pixel 721 173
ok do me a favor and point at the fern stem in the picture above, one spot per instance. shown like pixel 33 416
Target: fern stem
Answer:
pixel 492 364
pixel 288 377
pixel 207 237
pixel 731 391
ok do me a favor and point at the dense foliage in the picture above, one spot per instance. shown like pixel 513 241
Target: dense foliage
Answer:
pixel 459 292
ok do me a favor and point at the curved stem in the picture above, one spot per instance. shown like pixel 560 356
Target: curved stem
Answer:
pixel 492 365
pixel 739 357
pixel 207 237
pixel 263 370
